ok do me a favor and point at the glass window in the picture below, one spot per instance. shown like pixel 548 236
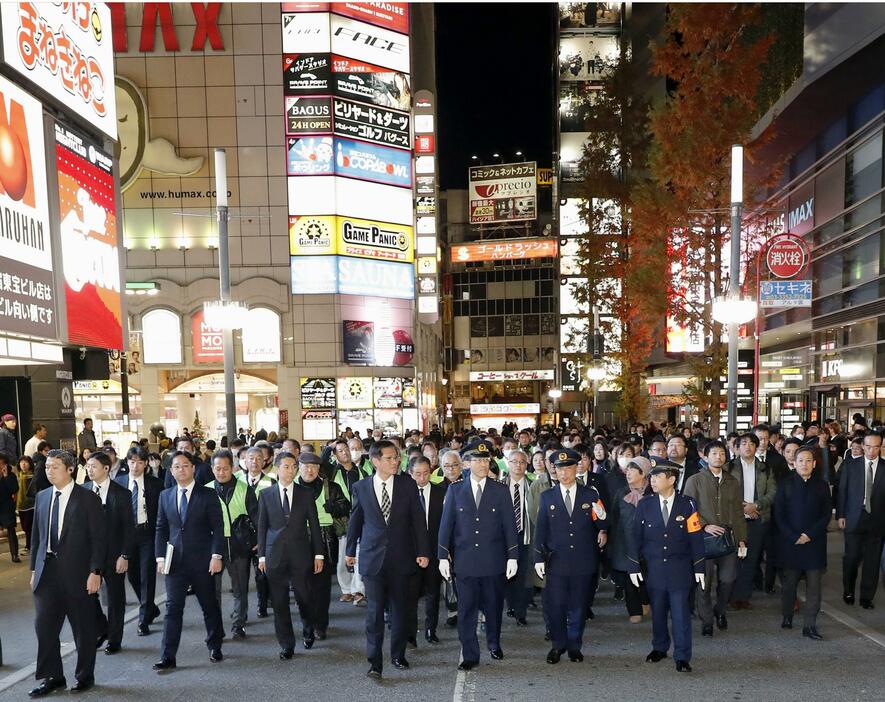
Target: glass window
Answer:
pixel 828 274
pixel 861 261
pixel 867 107
pixel 864 170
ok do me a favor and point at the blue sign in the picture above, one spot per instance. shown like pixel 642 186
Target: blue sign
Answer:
pixel 328 275
pixel 309 156
pixel 314 275
pixel 379 164
pixel 785 293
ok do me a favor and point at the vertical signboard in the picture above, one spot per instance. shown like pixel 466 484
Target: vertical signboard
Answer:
pixel 208 342
pixel 426 197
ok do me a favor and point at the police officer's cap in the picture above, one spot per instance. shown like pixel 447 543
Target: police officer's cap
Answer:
pixel 566 457
pixel 662 465
pixel 308 457
pixel 477 448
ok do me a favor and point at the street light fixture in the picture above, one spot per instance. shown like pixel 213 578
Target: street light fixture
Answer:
pixel 225 314
pixel 733 305
pixel 555 393
pixel 734 310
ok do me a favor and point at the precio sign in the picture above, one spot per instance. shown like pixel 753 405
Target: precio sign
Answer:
pixel 787 256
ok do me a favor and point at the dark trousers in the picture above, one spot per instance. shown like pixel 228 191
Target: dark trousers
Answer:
pixel 12 537
pixel 316 608
pixel 114 590
pixel 486 593
pixel 812 594
pixel 722 571
pixel 746 570
pixel 634 597
pixel 238 571
pixel 862 546
pixel 196 575
pixel 53 601
pixel 674 603
pixel 387 590
pixel 262 587
pixel 27 519
pixel 425 583
pixel 279 580
pixel 517 591
pixel 772 556
pixel 567 599
pixel 142 574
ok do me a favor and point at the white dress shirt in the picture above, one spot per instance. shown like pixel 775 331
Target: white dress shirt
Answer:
pixel 141 505
pixel 680 481
pixel 749 475
pixel 670 500
pixel 102 490
pixel 425 493
pixel 31 446
pixel 866 463
pixel 377 483
pixel 287 496
pixel 474 485
pixel 521 487
pixel 571 492
pixel 189 490
pixel 62 506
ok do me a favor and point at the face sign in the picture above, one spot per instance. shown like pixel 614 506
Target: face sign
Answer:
pixel 222 470
pixel 308 472
pixel 804 463
pixel 421 474
pixel 58 473
pixel 182 470
pixel 287 470
pixel 96 470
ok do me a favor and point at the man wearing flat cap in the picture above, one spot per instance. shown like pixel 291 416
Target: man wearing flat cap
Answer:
pixel 667 537
pixel 478 525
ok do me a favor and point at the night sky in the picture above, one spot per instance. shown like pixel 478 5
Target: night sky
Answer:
pixel 493 70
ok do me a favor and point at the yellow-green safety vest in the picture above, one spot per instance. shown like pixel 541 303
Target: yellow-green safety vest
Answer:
pixel 325 517
pixel 264 483
pixel 342 483
pixel 237 506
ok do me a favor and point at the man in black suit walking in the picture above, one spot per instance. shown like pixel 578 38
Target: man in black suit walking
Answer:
pixel 119 529
pixel 144 498
pixel 290 546
pixel 68 547
pixel 189 519
pixel 426 582
pixel 388 524
pixel 202 470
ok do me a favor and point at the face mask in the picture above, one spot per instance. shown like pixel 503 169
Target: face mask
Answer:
pixel 241 463
pixel 624 461
pixel 800 436
pixel 355 456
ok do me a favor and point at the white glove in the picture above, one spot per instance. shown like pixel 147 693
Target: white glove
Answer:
pixel 445 569
pixel 635 578
pixel 540 569
pixel 512 567
pixel 742 551
pixel 700 579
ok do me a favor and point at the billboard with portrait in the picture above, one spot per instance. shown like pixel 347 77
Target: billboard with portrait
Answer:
pixel 369 83
pixel 359 343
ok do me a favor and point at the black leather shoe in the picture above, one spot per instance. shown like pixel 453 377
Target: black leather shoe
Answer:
pixel 216 656
pixel 239 632
pixel 619 593
pixel 374 673
pixel 811 632
pixel 787 623
pixel 722 622
pixel 496 653
pixel 100 640
pixel 575 656
pixel 467 665
pixel 546 634
pixel 848 598
pixel 553 656
pixel 111 649
pixel 47 686
pixel 412 642
pixel 430 637
pixel 320 634
pixel 400 663
pixel 452 621
pixel 82 686
pixel 262 613
pixel 286 654
pixel 656 656
pixel 520 621
pixel 308 641
pixel 867 604
pixel 16 559
pixel 143 630
pixel 707 630
pixel 165 664
pixel 683 667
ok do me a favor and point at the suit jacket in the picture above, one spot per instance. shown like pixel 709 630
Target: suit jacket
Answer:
pixel 483 539
pixel 766 485
pixel 531 509
pixel 568 542
pixel 850 504
pixel 434 517
pixel 803 507
pixel 393 545
pixel 82 544
pixel 119 523
pixel 152 489
pixel 692 467
pixel 202 533
pixel 296 540
pixel 202 474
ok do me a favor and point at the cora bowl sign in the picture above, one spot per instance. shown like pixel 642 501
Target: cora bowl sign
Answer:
pixel 787 256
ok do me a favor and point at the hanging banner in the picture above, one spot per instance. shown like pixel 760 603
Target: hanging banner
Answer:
pixel 369 123
pixel 364 42
pixel 208 342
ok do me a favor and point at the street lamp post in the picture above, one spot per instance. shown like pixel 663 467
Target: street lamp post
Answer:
pixel 737 203
pixel 230 400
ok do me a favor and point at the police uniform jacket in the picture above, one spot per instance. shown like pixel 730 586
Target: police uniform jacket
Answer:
pixel 674 552
pixel 803 507
pixel 567 542
pixel 481 540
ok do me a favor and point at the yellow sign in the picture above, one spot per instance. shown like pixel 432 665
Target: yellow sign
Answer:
pixel 545 176
pixel 311 235
pixel 377 240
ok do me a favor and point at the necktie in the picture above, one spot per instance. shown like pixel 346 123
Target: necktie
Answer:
pixel 478 495
pixel 665 513
pixel 423 501
pixel 581 480
pixel 182 505
pixel 568 502
pixel 868 487
pixel 98 490
pixel 134 499
pixel 517 508
pixel 385 502
pixel 53 524
pixel 286 508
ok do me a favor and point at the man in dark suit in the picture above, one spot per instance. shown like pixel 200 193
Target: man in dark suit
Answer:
pixel 426 581
pixel 518 591
pixel 68 547
pixel 144 497
pixel 388 524
pixel 290 546
pixel 202 470
pixel 189 518
pixel 860 509
pixel 478 526
pixel 677 453
pixel 120 534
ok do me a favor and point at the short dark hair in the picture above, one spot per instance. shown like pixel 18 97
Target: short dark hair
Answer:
pixel 210 444
pixel 805 449
pixel 762 427
pixel 278 459
pixel 714 445
pixel 793 441
pixel 64 456
pixel 340 440
pixel 223 454
pixel 43 445
pixel 749 436
pixel 186 439
pixel 872 433
pixel 678 436
pixel 102 458
pixel 379 446
pixel 657 440
pixel 294 443
pixel 415 460
pixel 139 452
pixel 187 454
pixel 38 427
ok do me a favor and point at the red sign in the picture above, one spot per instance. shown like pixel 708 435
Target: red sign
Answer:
pixel 392 15
pixel 787 255
pixel 425 144
pixel 284 418
pixel 205 29
pixel 513 249
pixel 208 341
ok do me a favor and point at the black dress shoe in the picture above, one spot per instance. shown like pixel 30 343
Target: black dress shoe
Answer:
pixel 787 623
pixel 143 630
pixel 164 664
pixel 400 663
pixel 619 593
pixel 111 649
pixel 511 612
pixel 496 653
pixel 430 637
pixel 721 622
pixel 546 634
pixel 811 632
pixel 412 642
pixel 848 598
pixel 216 656
pixel 452 621
pixel 152 615
pixel 308 641
pixel 262 613
pixel 707 630
pixel 520 621
pixel 374 673
pixel 683 667
pixel 47 686
pixel 467 665
pixel 575 656
pixel 553 656
pixel 867 604
pixel 83 685
pixel 100 640
pixel 656 656
pixel 239 632
pixel 286 654
pixel 320 634
pixel 16 559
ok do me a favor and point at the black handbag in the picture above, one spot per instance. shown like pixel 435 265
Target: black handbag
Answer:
pixel 718 546
pixel 244 534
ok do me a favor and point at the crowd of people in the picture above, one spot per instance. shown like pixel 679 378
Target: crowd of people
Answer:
pixel 479 525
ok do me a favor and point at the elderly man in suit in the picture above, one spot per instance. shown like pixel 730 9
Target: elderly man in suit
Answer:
pixel 478 526
pixel 290 546
pixel 518 591
pixel 860 511
pixel 68 549
pixel 189 519
pixel 391 529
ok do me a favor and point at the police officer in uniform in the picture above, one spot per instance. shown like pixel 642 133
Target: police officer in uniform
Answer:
pixel 572 522
pixel 479 527
pixel 667 536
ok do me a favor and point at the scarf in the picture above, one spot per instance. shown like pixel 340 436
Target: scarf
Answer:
pixel 635 494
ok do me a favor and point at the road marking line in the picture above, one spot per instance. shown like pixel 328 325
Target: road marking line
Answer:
pixel 854 624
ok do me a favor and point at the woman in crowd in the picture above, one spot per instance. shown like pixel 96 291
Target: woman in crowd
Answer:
pixel 623 511
pixel 27 497
pixel 8 493
pixel 600 463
